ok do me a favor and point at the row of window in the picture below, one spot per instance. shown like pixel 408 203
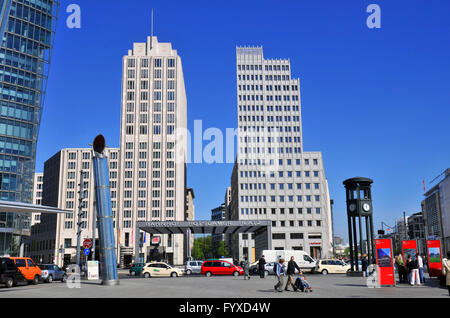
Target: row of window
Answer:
pixel 281 211
pixel 269 108
pixel 258 67
pixel 269 98
pixel 268 87
pixel 157 62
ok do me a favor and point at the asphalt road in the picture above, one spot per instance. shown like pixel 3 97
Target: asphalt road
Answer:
pixel 222 287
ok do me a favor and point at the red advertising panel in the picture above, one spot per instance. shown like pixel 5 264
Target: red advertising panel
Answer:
pixel 384 262
pixel 409 248
pixel 434 257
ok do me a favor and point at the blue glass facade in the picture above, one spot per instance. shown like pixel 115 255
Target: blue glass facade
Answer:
pixel 25 52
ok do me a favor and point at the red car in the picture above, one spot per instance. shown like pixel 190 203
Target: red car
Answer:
pixel 220 267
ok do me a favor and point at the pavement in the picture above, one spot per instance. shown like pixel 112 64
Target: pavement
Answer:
pixel 329 286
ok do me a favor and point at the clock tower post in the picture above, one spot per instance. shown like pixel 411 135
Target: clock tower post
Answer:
pixel 359 208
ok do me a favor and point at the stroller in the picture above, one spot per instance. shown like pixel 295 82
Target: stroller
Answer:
pixel 302 284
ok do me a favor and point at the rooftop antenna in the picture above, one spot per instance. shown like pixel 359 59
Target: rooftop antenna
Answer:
pixel 151 34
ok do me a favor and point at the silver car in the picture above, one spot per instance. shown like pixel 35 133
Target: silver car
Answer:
pixel 51 272
pixel 193 267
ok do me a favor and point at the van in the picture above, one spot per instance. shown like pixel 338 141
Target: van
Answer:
pixel 220 267
pixel 303 260
pixel 29 270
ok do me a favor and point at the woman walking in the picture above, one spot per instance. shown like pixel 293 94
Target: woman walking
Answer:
pixel 446 271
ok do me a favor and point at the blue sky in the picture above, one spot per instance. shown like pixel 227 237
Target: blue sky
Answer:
pixel 375 102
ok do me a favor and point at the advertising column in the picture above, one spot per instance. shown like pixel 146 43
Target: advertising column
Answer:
pixel 384 261
pixel 434 258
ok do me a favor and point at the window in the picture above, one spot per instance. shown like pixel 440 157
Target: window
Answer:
pixel 278 236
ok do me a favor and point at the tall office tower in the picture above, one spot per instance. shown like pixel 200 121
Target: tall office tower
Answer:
pixel 273 177
pixel 152 146
pixel 54 239
pixel 37 196
pixel 28 32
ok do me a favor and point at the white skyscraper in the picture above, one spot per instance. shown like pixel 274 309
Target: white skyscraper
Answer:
pixel 152 162
pixel 273 177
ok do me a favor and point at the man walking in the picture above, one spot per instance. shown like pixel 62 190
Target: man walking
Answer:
pixel 262 267
pixel 245 266
pixel 279 273
pixel 292 265
pixel 365 265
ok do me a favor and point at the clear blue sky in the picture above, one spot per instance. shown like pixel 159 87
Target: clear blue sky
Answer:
pixel 375 102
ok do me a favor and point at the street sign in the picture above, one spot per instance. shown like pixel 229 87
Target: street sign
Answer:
pixel 87 243
pixel 156 240
pixel 87 251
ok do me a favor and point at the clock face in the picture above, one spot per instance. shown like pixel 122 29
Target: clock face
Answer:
pixel 366 207
pixel 352 207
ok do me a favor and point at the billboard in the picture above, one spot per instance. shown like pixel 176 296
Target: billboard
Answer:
pixel 409 248
pixel 434 258
pixel 384 261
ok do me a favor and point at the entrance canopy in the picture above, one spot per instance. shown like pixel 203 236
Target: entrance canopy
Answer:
pixel 24 208
pixel 262 230
pixel 201 227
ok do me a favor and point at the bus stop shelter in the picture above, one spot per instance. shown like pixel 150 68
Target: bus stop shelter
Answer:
pixel 262 230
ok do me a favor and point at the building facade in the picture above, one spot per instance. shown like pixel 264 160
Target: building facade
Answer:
pixel 54 239
pixel 273 177
pixel 152 146
pixel 37 195
pixel 28 32
pixel 436 212
pixel 218 214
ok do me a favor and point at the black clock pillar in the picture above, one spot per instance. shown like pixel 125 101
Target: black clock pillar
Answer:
pixel 359 206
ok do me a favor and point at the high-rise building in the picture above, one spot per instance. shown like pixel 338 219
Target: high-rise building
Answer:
pixel 273 177
pixel 28 31
pixel 37 196
pixel 436 212
pixel 54 239
pixel 218 214
pixel 152 146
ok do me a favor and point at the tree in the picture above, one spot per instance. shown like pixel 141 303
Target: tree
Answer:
pixel 202 248
pixel 221 250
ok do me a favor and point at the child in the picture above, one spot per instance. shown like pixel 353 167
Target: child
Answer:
pixel 305 283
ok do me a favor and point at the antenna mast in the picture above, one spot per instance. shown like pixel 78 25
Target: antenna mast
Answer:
pixel 151 34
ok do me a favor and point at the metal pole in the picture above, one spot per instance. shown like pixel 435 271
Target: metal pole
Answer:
pixel 104 213
pixel 94 228
pixel 404 223
pixel 355 244
pixel 80 207
pixel 350 240
pixel 369 241
pixel 332 228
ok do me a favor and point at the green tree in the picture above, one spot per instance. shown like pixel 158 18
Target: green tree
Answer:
pixel 202 248
pixel 221 250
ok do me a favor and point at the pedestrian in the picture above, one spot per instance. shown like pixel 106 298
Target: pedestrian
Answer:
pixel 420 265
pixel 246 267
pixel 409 267
pixel 365 265
pixel 279 273
pixel 446 271
pixel 262 267
pixel 292 265
pixel 413 270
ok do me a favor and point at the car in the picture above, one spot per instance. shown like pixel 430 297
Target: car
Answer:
pixel 51 272
pixel 348 262
pixel 220 267
pixel 9 273
pixel 193 267
pixel 136 269
pixel 160 269
pixel 331 266
pixel 30 271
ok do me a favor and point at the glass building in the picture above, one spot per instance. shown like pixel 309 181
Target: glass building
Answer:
pixel 27 34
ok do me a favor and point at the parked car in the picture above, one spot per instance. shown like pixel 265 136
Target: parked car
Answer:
pixel 331 266
pixel 220 267
pixel 9 273
pixel 348 262
pixel 30 271
pixel 193 267
pixel 136 269
pixel 160 269
pixel 51 272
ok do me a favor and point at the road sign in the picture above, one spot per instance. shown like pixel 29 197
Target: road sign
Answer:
pixel 87 251
pixel 87 243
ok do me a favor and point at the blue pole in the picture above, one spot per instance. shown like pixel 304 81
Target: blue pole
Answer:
pixel 104 213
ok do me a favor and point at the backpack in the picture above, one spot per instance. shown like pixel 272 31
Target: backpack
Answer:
pixel 275 268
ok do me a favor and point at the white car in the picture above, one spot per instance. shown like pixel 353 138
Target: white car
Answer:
pixel 332 266
pixel 160 269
